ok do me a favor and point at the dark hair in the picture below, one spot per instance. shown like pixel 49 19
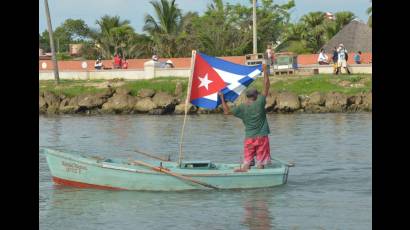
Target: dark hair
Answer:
pixel 252 93
pixel 360 52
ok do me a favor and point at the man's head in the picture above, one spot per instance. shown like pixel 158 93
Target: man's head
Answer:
pixel 252 94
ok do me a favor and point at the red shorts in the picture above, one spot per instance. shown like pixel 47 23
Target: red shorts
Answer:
pixel 258 146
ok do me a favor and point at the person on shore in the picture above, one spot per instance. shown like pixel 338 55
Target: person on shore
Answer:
pixel 269 58
pixel 98 64
pixel 117 61
pixel 358 57
pixel 334 59
pixel 342 59
pixel 155 58
pixel 253 115
pixel 124 63
pixel 169 64
pixel 323 59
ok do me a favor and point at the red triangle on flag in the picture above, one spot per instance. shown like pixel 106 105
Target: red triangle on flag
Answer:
pixel 205 80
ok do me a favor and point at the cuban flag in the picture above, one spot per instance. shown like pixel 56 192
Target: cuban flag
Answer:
pixel 212 75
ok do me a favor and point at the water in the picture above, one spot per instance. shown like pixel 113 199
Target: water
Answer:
pixel 330 187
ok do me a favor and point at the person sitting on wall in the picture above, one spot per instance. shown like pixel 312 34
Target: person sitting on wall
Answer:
pixel 98 64
pixel 358 58
pixel 322 59
pixel 169 64
pixel 124 63
pixel 155 58
pixel 117 61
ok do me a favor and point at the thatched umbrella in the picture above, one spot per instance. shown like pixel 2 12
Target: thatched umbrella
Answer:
pixel 354 36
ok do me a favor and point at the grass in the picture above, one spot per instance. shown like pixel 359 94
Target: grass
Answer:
pixel 299 85
pixel 164 84
pixel 323 83
pixel 71 88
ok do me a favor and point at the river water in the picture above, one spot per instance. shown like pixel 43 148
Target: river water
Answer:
pixel 330 187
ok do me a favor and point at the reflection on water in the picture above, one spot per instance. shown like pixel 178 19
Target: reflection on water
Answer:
pixel 257 215
pixel 330 187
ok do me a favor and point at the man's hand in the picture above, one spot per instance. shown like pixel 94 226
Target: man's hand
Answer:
pixel 224 105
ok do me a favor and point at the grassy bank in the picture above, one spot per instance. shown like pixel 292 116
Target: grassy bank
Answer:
pixel 347 84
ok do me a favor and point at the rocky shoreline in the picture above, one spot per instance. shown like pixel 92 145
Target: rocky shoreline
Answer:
pixel 147 101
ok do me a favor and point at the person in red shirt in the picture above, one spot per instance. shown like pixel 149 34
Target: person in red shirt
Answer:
pixel 124 63
pixel 117 61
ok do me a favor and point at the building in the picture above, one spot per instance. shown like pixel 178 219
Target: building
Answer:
pixel 354 36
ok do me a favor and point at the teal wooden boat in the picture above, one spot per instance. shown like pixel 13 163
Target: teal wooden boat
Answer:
pixel 74 169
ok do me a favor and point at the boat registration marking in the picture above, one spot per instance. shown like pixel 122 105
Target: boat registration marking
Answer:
pixel 73 167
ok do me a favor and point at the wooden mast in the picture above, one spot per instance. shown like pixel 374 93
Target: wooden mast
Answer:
pixel 180 157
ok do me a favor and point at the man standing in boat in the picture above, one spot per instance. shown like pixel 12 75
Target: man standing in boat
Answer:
pixel 253 115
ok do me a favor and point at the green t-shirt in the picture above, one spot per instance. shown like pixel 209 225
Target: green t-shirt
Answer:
pixel 253 117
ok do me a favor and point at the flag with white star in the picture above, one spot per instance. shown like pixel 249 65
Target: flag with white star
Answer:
pixel 212 75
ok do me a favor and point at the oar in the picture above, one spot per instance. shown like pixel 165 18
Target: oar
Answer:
pixel 162 170
pixel 152 156
pixel 289 164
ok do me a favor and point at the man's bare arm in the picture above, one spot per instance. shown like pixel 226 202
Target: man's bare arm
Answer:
pixel 266 82
pixel 224 105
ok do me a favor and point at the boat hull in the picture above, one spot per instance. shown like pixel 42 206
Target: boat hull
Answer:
pixel 84 172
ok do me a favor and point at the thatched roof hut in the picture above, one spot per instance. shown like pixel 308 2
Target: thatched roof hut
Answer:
pixel 354 36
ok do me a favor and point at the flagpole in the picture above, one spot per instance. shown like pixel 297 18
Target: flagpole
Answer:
pixel 186 106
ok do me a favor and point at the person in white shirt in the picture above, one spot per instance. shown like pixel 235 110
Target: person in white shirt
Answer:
pixel 98 64
pixel 323 58
pixel 342 59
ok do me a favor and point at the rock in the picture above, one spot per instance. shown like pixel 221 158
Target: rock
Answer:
pixel 336 102
pixel 178 89
pixel 144 105
pixel 241 99
pixel 42 104
pixel 180 109
pixel 92 101
pixel 69 105
pixel 271 101
pixel 367 101
pixel 120 103
pixel 51 99
pixel 287 102
pixel 316 98
pixel 122 91
pixel 344 83
pixel 157 112
pixel 357 85
pixel 164 101
pixel 146 93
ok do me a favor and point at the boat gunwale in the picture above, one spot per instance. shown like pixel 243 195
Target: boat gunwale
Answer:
pixel 101 165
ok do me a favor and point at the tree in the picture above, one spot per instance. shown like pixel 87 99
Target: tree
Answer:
pixel 369 12
pixel 113 36
pixel 164 27
pixel 341 19
pixel 314 30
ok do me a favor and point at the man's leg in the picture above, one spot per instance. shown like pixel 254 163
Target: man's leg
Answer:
pixel 263 152
pixel 249 150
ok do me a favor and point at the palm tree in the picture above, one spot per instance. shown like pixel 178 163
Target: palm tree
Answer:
pixel 314 29
pixel 112 36
pixel 342 18
pixel 165 27
pixel 369 12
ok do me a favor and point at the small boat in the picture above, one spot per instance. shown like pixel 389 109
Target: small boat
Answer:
pixel 78 170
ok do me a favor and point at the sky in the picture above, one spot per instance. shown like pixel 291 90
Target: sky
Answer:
pixel 135 10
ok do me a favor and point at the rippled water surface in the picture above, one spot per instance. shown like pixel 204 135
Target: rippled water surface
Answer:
pixel 330 187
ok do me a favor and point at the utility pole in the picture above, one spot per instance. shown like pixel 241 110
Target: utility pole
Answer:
pixel 255 49
pixel 53 51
